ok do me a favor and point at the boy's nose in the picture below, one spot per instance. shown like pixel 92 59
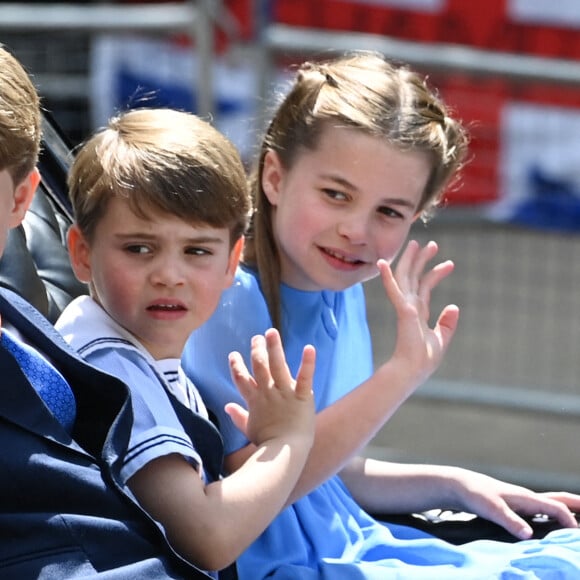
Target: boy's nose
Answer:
pixel 167 272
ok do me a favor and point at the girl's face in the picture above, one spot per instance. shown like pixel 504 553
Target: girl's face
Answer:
pixel 341 207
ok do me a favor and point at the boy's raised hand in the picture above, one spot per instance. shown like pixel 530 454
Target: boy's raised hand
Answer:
pixel 278 405
pixel 409 289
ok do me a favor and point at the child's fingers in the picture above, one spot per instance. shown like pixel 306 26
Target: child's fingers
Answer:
pixel 418 265
pixel 277 359
pixel 261 361
pixel 239 416
pixel 424 254
pixel 305 376
pixel 412 264
pixel 394 292
pixel 404 264
pixel 433 278
pixel 240 375
pixel 447 324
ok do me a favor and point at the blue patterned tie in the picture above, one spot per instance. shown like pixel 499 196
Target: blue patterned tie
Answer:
pixel 48 382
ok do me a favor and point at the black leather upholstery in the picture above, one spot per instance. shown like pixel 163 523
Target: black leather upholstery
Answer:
pixel 35 263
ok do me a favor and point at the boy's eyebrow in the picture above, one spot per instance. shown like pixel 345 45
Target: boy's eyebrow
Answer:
pixel 201 239
pixel 348 185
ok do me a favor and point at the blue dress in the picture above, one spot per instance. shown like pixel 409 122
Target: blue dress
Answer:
pixel 326 535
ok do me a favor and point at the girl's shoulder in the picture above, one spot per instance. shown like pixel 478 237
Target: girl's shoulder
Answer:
pixel 242 305
pixel 247 278
pixel 244 291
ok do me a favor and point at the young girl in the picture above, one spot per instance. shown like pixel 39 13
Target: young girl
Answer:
pixel 356 152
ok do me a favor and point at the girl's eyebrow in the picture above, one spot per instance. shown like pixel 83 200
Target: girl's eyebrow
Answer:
pixel 398 201
pixel 339 180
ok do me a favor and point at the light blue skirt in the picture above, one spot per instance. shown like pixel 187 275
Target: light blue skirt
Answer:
pixel 326 536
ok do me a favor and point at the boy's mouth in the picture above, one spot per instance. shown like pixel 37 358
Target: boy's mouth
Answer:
pixel 166 307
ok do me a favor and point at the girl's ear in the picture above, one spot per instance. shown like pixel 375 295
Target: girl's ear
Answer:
pixel 233 261
pixel 23 194
pixel 80 253
pixel 272 176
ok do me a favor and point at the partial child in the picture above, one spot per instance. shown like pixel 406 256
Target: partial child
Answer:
pixel 161 203
pixel 358 150
pixel 64 512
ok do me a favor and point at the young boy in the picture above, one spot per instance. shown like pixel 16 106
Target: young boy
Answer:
pixel 161 204
pixel 63 510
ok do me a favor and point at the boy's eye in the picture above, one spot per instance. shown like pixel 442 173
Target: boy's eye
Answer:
pixel 334 194
pixel 137 249
pixel 197 251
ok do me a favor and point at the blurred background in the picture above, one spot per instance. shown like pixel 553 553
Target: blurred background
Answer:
pixel 506 401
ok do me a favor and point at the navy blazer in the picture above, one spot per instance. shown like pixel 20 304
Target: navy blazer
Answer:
pixel 64 512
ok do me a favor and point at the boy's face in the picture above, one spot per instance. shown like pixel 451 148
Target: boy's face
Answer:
pixel 159 278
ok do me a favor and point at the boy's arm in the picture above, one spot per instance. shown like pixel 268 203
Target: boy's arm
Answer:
pixel 346 426
pixel 211 525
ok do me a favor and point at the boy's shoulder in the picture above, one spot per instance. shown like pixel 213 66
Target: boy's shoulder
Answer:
pixel 87 328
pixel 101 341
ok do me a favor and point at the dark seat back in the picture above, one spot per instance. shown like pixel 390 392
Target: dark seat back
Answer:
pixel 35 263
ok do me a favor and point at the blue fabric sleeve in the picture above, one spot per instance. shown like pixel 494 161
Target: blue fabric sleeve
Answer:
pixel 156 429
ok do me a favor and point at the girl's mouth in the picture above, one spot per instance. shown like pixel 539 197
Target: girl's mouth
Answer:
pixel 341 257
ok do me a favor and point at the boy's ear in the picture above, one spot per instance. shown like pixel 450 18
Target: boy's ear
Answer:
pixel 272 175
pixel 79 252
pixel 233 261
pixel 23 194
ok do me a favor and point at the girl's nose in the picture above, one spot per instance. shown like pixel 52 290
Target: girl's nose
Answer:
pixel 354 228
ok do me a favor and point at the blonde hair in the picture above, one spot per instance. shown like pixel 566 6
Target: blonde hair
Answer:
pixel 366 92
pixel 20 119
pixel 161 160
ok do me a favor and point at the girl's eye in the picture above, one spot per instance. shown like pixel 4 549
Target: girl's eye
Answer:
pixel 137 249
pixel 390 212
pixel 334 194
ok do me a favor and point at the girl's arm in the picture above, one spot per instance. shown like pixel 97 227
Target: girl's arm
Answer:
pixel 382 487
pixel 345 427
pixel 210 525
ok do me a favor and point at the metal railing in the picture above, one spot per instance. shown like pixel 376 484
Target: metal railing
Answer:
pixel 194 18
pixel 279 38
